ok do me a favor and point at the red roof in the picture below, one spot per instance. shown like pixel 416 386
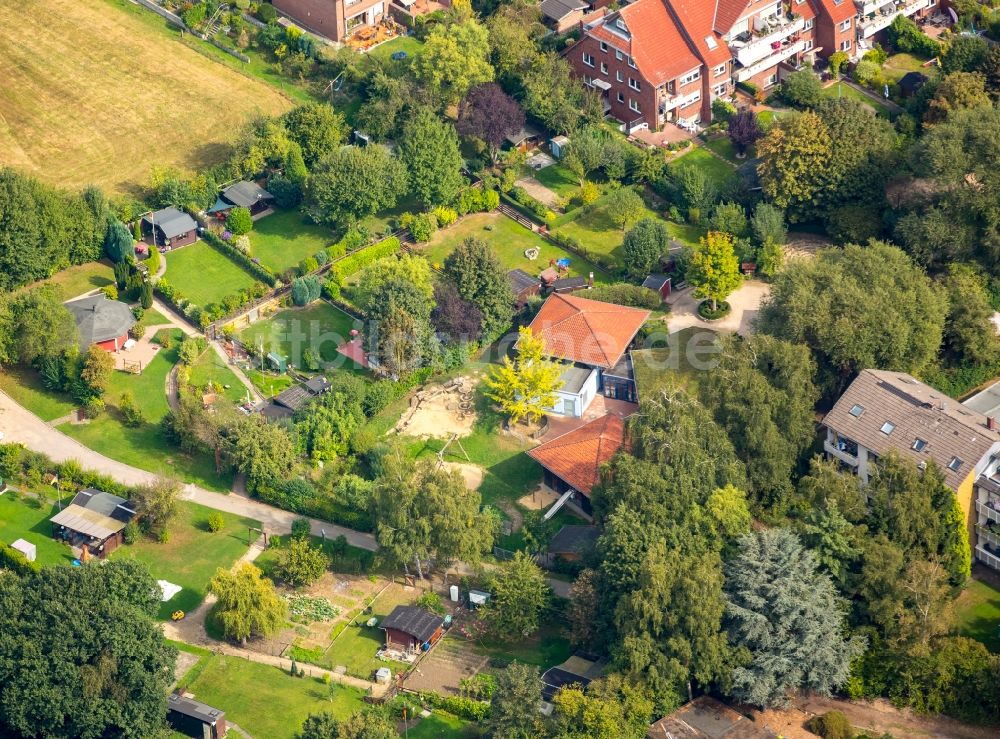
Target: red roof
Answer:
pixel 576 457
pixel 657 44
pixel 727 12
pixel 587 331
pixel 697 18
pixel 839 10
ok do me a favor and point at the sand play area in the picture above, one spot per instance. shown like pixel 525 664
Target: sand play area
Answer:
pixel 441 411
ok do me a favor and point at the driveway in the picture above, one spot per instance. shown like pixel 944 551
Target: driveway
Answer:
pixel 21 426
pixel 745 304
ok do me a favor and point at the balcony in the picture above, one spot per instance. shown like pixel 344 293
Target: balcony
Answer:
pixel 989 512
pixel 987 558
pixel 987 536
pixel 878 16
pixel 776 57
pixel 669 102
pixel 750 48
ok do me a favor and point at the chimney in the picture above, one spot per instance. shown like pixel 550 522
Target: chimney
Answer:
pixel 991 423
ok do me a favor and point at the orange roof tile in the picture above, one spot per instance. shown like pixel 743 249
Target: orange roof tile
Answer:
pixel 804 8
pixel 727 12
pixel 587 331
pixel 697 18
pixel 577 456
pixel 839 10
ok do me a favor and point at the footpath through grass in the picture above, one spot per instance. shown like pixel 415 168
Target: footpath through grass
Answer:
pixel 192 554
pixel 265 700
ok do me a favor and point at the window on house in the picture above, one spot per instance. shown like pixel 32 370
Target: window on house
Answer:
pixel 846 25
pixel 808 24
pixel 618 55
pixel 619 76
pixel 695 97
pixel 807 44
pixel 888 427
pixel 918 445
pixel 604 68
pixel 845 45
pixel 955 464
pixel 621 97
pixel 633 105
pixel 588 59
pixel 604 47
pixel 633 83
pixel 621 24
pixel 710 42
pixel 721 69
pixel 771 81
pixel 857 410
pixel 721 90
pixel 691 77
pixel 847 446
pixel 631 62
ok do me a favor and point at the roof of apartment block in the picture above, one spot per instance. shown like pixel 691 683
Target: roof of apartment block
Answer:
pixel 576 457
pixel 883 410
pixel 697 18
pixel 654 41
pixel 839 10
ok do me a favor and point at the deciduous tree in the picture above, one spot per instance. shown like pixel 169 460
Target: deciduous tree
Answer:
pixel 429 149
pixel 744 130
pixel 643 246
pixel 455 319
pixel 262 451
pixel 488 113
pixel 317 128
pixel 525 386
pixel 239 221
pixel 624 206
pixel 350 183
pixel 454 58
pixel 300 563
pixel 157 504
pixel 248 605
pixel 519 596
pixel 514 706
pixel 481 279
pixel 98 365
pixel 714 268
pixel 794 155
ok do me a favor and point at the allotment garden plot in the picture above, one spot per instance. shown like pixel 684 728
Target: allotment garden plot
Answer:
pixel 289 332
pixel 282 240
pixel 204 276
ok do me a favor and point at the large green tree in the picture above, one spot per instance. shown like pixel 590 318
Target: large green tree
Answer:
pixel 263 452
pixel 81 654
pixel 969 332
pixel 35 326
pixel 454 58
pixel 855 308
pixel 519 596
pixel 713 268
pixel 514 706
pixel 773 591
pixel 429 149
pixel 609 708
pixel 317 128
pixel 248 605
pixel 793 157
pixel 643 245
pixel 481 278
pixel 350 183
pixel 763 394
pixel 369 724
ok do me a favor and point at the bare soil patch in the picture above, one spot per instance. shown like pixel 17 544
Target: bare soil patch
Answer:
pixel 441 411
pixel 471 473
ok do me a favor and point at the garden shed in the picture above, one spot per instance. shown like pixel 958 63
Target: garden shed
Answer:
pixel 409 628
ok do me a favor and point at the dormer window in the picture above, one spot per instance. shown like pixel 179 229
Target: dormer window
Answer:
pixel 621 24
pixel 918 445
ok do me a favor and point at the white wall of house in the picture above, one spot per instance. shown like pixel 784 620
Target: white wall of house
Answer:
pixel 834 446
pixel 574 405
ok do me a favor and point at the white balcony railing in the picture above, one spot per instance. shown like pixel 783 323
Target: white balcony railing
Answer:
pixel 990 560
pixel 679 101
pixel 777 56
pixel 990 513
pixel 758 47
pixel 987 536
pixel 886 13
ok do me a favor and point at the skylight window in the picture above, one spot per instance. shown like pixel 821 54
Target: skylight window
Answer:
pixel 955 464
pixel 888 427
pixel 919 444
pixel 710 42
pixel 857 410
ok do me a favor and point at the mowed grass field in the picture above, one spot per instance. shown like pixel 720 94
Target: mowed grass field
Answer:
pixel 290 332
pixel 203 275
pixel 97 92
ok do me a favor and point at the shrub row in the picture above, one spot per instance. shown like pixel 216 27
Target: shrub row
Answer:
pixel 13 560
pixel 256 269
pixel 534 208
pixel 315 505
pixel 477 200
pixel 204 315
pixel 462 707
pixel 360 259
pixel 623 293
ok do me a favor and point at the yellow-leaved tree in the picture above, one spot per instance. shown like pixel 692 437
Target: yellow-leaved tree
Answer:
pixel 524 386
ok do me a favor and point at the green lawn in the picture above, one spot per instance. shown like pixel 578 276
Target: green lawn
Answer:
pixel 81 278
pixel 977 613
pixel 439 725
pixel 192 554
pixel 679 362
pixel 723 146
pixel 267 701
pixel 842 89
pixel 203 275
pixel 153 317
pixel 290 332
pixel 269 384
pixel 25 386
pixel 558 179
pixel 719 172
pixel 282 240
pixel 548 647
pixel 509 240
pixel 897 65
pixel 379 222
pixel 210 367
pixel 145 447
pixel 410 44
pixel 28 519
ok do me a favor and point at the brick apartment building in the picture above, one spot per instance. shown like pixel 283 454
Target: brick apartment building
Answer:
pixel 334 19
pixel 656 62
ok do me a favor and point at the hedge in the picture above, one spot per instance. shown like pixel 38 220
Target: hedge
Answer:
pixel 255 269
pixel 15 561
pixel 362 258
pixel 623 293
pixel 462 707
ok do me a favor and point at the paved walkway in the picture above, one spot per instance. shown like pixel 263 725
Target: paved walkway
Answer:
pixel 175 318
pixel 20 425
pixel 745 303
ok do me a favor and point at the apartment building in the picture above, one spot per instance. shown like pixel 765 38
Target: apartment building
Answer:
pixel 887 410
pixel 334 19
pixel 686 53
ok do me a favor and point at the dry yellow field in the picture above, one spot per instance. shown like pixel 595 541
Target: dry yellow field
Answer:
pixel 91 93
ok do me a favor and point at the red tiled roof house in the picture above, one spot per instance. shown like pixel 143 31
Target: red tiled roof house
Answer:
pixel 593 339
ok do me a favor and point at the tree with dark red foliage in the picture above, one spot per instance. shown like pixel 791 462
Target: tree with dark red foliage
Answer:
pixel 490 114
pixel 455 318
pixel 744 130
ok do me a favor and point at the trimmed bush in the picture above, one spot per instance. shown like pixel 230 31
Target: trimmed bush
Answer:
pixel 362 258
pixel 623 293
pixel 216 522
pixel 15 561
pixel 831 725
pixel 706 312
